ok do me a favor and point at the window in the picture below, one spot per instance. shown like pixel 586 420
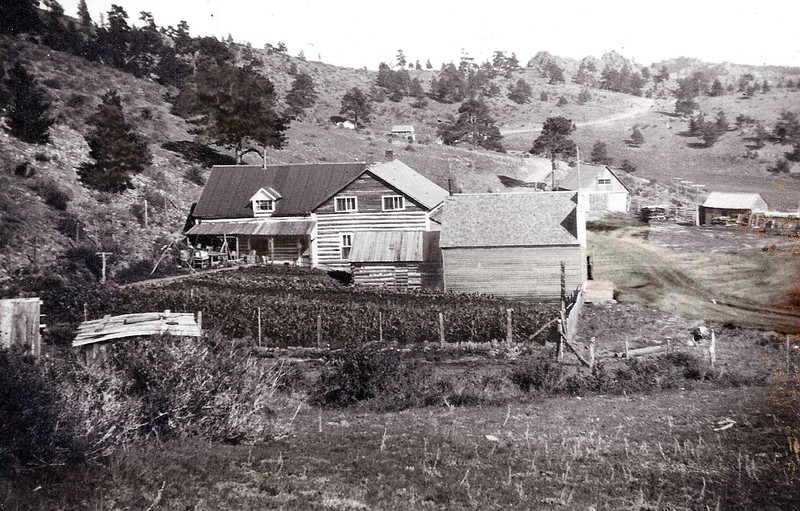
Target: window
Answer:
pixel 264 206
pixel 602 181
pixel 394 202
pixel 346 204
pixel 346 244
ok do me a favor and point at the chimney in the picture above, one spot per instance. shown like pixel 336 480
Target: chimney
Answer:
pixel 370 158
pixel 389 156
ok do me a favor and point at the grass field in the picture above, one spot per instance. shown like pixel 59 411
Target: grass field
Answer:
pixel 746 289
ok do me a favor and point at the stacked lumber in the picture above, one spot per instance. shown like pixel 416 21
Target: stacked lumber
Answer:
pixel 110 328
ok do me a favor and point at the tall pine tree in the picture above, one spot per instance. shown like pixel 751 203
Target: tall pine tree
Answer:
pixel 28 108
pixel 118 151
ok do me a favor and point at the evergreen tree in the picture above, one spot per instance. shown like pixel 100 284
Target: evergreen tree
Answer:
pixel 118 151
pixel 450 86
pixel 84 18
pixel 235 108
pixel 709 133
pixel 782 166
pixel 721 122
pixel 716 88
pixel 787 128
pixel 637 138
pixel 301 96
pixel 474 125
pixel 760 137
pixel 418 66
pixel 356 106
pixel 520 92
pixel 765 87
pixel 428 64
pixel 19 16
pixel 555 73
pixel 28 108
pixel 401 59
pixel 584 96
pixel 600 154
pixel 553 141
pixel 415 89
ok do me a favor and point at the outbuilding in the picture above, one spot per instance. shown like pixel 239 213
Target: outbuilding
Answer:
pixel 513 245
pixel 602 189
pixel 725 207
pixel 397 259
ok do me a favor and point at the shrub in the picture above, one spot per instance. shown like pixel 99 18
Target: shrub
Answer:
pixel 24 169
pixel 41 157
pixel 53 195
pixel 376 373
pixel 30 431
pixel 195 175
pixel 562 101
pixel 539 374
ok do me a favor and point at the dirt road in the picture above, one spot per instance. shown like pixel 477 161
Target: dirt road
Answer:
pixel 641 106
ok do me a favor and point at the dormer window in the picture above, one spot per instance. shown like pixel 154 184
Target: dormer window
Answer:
pixel 263 206
pixel 345 204
pixel 604 181
pixel 264 201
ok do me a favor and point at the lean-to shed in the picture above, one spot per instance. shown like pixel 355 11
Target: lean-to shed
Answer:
pixel 397 259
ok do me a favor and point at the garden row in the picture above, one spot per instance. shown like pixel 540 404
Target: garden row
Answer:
pixel 306 308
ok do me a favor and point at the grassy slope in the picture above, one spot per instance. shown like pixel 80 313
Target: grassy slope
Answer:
pixel 740 289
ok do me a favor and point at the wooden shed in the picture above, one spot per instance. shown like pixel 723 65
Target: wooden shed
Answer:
pixel 724 208
pixel 512 245
pixel 397 259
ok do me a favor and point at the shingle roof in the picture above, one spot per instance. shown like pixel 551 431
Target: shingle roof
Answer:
pixel 229 188
pixel 725 200
pixel 518 219
pixel 395 246
pixel 266 227
pixel 589 174
pixel 410 182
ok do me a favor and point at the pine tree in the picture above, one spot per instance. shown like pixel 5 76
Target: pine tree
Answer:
pixel 520 92
pixel 235 108
pixel 28 108
pixel 356 106
pixel 118 151
pixel 553 141
pixel 716 88
pixel 428 64
pixel 19 16
pixel 600 154
pixel 474 125
pixel 637 138
pixel 301 96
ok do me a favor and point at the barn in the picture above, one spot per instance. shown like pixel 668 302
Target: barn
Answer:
pixel 724 207
pixel 599 185
pixel 513 245
pixel 397 259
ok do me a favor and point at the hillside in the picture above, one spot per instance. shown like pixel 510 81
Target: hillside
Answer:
pixel 39 224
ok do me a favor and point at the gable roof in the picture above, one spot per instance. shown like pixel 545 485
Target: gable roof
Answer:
pixel 589 173
pixel 395 246
pixel 402 177
pixel 725 200
pixel 303 187
pixel 510 219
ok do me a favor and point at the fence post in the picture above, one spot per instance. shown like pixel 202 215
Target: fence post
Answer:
pixel 441 329
pixel 627 349
pixel 380 326
pixel 788 358
pixel 319 330
pixel 85 311
pixel 560 347
pixel 509 327
pixel 591 354
pixel 259 327
pixel 200 320
pixel 712 349
pixel 563 285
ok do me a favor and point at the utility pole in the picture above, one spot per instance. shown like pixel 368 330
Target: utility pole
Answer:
pixel 104 255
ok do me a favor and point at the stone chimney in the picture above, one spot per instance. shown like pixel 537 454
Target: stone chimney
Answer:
pixel 389 156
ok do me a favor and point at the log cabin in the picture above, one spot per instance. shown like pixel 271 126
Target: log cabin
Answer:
pixel 309 214
pixel 397 259
pixel 512 245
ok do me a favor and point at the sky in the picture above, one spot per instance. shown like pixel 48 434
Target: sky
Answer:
pixel 359 33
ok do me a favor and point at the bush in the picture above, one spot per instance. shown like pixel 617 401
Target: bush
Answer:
pixel 30 431
pixel 539 374
pixel 377 374
pixel 53 195
pixel 24 169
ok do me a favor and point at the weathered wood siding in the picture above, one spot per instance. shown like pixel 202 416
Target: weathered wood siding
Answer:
pixel 19 324
pixel 369 217
pixel 532 273
pixel 709 214
pixel 398 275
pixel 369 191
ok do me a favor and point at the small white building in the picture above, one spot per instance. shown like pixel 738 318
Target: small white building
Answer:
pixel 404 131
pixel 600 189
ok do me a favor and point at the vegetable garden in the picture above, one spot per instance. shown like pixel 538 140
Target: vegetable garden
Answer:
pixel 296 305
